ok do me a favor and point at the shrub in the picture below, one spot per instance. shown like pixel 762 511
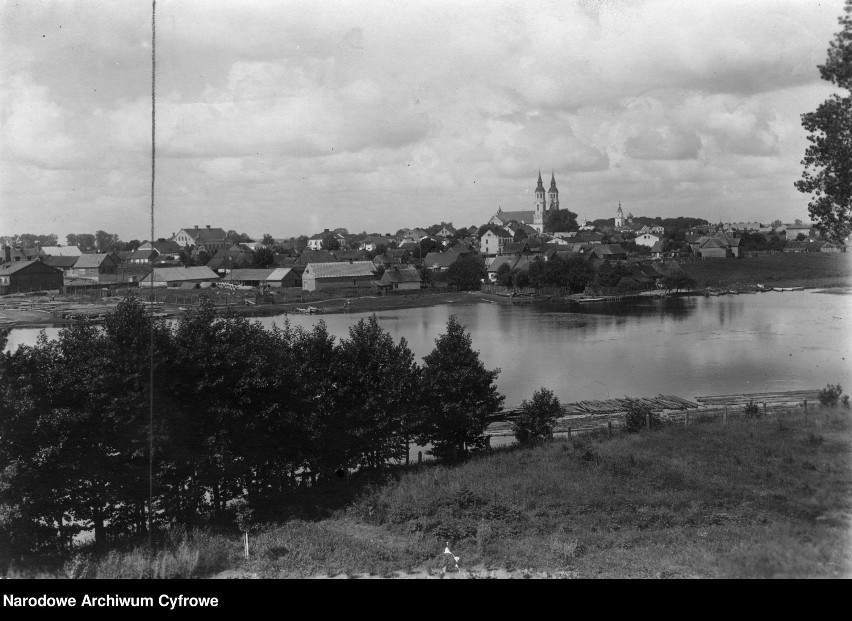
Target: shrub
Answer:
pixel 636 417
pixel 845 401
pixel 751 410
pixel 537 418
pixel 830 395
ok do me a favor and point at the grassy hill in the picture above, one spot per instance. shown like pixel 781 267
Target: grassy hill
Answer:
pixel 771 498
pixel 811 269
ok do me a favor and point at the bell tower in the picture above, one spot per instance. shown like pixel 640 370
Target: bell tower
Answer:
pixel 619 216
pixel 553 194
pixel 540 206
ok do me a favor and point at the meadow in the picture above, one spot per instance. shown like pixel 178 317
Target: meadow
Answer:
pixel 759 498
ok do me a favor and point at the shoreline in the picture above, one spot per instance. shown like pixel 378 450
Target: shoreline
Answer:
pixel 36 318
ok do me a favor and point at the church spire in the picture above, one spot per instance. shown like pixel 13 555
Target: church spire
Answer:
pixel 540 186
pixel 552 180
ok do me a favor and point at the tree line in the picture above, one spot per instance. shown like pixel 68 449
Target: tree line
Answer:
pixel 240 413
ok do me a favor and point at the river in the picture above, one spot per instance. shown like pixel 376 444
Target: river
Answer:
pixel 689 347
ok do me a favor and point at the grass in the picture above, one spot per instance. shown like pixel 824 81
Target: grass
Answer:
pixel 767 498
pixel 811 269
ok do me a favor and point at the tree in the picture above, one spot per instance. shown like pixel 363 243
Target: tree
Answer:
pixel 458 394
pixel 560 220
pixel 106 242
pixel 268 240
pixel 827 174
pixel 329 242
pixel 84 241
pixel 537 418
pixel 504 275
pixel 466 273
pixel 263 257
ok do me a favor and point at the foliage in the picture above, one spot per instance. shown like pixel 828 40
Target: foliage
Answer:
pixel 677 279
pixel 827 175
pixel 263 258
pixel 330 242
pixel 29 240
pixel 560 220
pixel 537 418
pixel 830 395
pixel 458 393
pixel 268 240
pixel 751 410
pixel 636 418
pixel 84 241
pixel 608 274
pixel 467 272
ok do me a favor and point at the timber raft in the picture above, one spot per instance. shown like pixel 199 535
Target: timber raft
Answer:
pixel 586 416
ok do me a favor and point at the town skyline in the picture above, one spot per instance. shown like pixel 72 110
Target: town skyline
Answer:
pixel 292 119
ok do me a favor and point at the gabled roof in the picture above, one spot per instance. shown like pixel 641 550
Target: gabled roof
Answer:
pixel 60 262
pixel 399 275
pixel 509 260
pixel 205 234
pixel 525 216
pixel 185 273
pixel 515 248
pixel 61 251
pixel 440 259
pixel 148 255
pixel 341 270
pixel 88 261
pixel 249 274
pixel 349 255
pixel 163 246
pixel 17 266
pixel 314 256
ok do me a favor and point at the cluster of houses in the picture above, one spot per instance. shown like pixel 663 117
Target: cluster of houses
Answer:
pixel 384 262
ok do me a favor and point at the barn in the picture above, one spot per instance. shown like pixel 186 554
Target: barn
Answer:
pixel 22 276
pixel 357 274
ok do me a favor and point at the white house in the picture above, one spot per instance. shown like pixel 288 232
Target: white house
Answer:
pixel 647 239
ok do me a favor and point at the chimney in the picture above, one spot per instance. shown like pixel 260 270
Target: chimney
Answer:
pixel 208 226
pixel 7 254
pixel 195 226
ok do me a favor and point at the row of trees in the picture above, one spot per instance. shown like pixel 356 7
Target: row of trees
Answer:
pixel 239 412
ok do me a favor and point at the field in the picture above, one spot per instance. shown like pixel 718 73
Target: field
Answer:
pixel 811 269
pixel 750 499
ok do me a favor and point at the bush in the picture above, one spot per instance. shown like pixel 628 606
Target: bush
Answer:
pixel 830 395
pixel 537 418
pixel 751 410
pixel 636 417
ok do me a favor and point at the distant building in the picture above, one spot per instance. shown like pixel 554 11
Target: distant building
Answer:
pixel 177 276
pixel 207 238
pixel 99 267
pixel 327 275
pixel 400 279
pixel 647 239
pixel 23 276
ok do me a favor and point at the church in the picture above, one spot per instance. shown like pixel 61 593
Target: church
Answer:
pixel 545 202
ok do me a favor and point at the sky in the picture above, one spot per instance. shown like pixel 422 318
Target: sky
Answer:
pixel 288 117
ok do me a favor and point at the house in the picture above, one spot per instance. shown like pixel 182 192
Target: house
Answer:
pixel 315 242
pixel 142 258
pixel 516 248
pixel 654 229
pixel 447 230
pixel 399 279
pixel 13 255
pixel 441 261
pixel 647 239
pixel 371 242
pixel 235 257
pixel 166 247
pixel 794 230
pixel 831 247
pixel 63 263
pixel 22 276
pixel 743 226
pixel 810 245
pixel 327 275
pixel 178 276
pixel 495 265
pixel 209 239
pixel 605 252
pixel 657 250
pixel 312 256
pixel 98 267
pixel 493 239
pixel 712 248
pixel 275 277
pixel 60 251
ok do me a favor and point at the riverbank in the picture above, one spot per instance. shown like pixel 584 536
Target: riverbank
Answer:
pixel 754 498
pixel 806 269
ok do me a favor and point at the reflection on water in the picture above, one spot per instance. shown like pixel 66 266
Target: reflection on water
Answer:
pixel 684 346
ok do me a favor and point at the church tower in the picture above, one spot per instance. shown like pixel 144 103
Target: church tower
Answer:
pixel 553 194
pixel 619 216
pixel 540 206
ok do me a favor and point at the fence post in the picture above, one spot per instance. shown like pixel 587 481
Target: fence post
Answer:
pixel 806 406
pixel 648 421
pixel 725 416
pixel 609 427
pixel 569 433
pixel 686 419
pixel 419 457
pixel 488 442
pixel 764 409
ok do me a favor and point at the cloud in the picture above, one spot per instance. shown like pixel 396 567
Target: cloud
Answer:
pixel 663 143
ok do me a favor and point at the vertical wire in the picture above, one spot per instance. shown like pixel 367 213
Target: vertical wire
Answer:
pixel 151 300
